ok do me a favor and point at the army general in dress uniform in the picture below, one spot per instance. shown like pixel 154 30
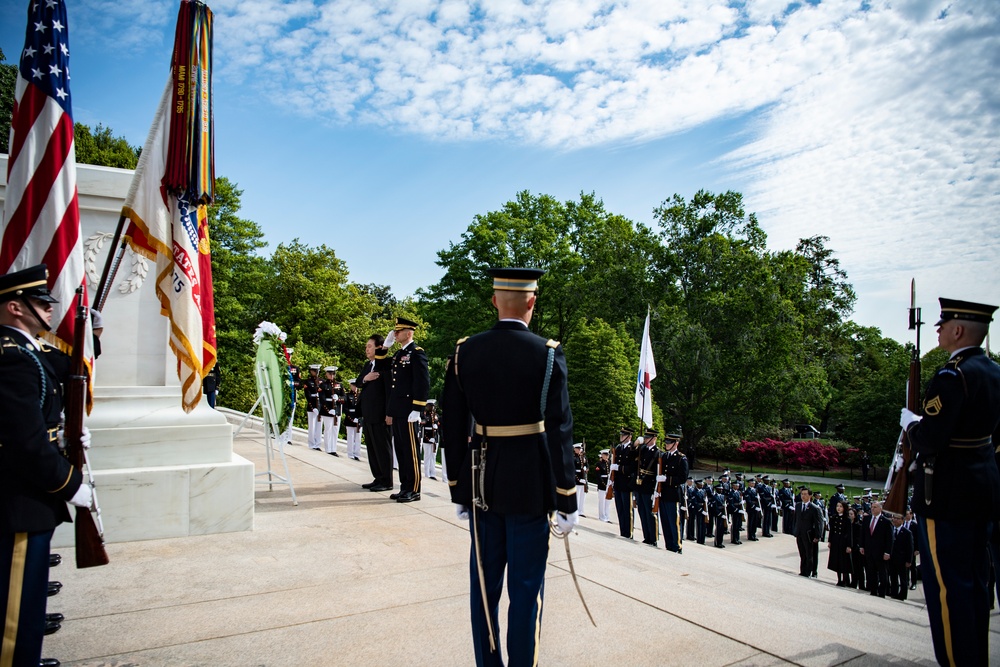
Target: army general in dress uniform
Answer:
pixel 39 480
pixel 506 388
pixel 954 445
pixel 407 397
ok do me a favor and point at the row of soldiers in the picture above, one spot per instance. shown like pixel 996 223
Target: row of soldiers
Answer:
pixel 640 477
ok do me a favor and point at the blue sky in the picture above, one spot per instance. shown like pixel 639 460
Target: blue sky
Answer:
pixel 382 127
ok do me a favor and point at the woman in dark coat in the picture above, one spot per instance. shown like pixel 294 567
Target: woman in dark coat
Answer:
pixel 857 560
pixel 840 545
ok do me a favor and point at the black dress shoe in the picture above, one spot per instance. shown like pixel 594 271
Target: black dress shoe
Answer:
pixel 380 488
pixel 48 662
pixel 54 587
pixel 55 617
pixel 333 454
pixel 408 497
pixel 51 627
pixel 913 587
pixel 355 458
pixel 54 559
pixel 395 496
pixel 369 485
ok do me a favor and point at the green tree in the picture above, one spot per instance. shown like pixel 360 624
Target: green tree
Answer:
pixel 240 276
pixel 599 362
pixel 102 148
pixel 8 82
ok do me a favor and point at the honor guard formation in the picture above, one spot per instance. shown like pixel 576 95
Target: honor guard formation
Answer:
pixel 508 457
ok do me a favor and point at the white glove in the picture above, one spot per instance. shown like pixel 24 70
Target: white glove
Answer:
pixel 85 437
pixel 390 338
pixel 614 466
pixel 315 411
pixel 906 417
pixel 661 478
pixel 655 495
pixel 566 522
pixel 414 416
pixel 84 496
pixel 704 512
pixel 462 512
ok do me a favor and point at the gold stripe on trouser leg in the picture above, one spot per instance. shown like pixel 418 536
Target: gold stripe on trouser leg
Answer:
pixel 538 629
pixel 942 591
pixel 14 593
pixel 680 531
pixel 416 459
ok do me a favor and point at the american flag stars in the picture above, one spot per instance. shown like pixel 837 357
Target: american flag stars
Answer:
pixel 45 60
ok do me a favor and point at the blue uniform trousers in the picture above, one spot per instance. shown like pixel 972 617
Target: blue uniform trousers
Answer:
pixel 519 544
pixel 671 525
pixel 626 516
pixel 404 440
pixel 955 563
pixel 644 503
pixel 24 582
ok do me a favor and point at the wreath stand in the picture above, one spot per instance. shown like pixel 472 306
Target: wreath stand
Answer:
pixel 271 433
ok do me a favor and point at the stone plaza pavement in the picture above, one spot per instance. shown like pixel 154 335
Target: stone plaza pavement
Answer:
pixel 350 578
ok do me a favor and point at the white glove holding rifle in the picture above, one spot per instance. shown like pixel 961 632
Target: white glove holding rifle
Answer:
pixel 84 497
pixel 908 417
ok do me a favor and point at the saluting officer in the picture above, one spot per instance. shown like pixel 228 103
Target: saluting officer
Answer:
pixel 624 467
pixel 39 480
pixel 675 472
pixel 506 388
pixel 954 445
pixel 311 388
pixel 407 398
pixel 645 485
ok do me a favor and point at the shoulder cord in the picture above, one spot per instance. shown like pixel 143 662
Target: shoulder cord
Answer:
pixel 41 375
pixel 548 377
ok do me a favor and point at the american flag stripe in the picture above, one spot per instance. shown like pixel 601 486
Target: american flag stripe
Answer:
pixel 41 221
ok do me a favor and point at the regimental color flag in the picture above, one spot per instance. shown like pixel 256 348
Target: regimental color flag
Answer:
pixel 41 217
pixel 167 202
pixel 647 371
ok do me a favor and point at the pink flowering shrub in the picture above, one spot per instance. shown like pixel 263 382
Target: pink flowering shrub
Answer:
pixel 793 454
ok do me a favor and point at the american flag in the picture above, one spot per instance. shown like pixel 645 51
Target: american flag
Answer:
pixel 41 222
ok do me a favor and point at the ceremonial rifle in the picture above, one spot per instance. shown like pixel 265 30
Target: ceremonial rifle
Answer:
pixel 90 550
pixel 898 482
pixel 659 485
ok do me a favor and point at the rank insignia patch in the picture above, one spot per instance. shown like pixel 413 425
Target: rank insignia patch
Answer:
pixel 933 406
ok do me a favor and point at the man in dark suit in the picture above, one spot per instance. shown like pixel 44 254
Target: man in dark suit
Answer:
pixel 407 400
pixel 953 445
pixel 372 382
pixel 876 547
pixel 39 480
pixel 900 559
pixel 808 526
pixel 506 388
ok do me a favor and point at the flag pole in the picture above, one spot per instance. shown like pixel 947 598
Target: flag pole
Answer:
pixel 111 265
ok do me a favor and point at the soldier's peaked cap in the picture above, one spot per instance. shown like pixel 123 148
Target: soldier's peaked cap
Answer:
pixel 314 367
pixel 953 309
pixel 513 279
pixel 651 433
pixel 627 430
pixel 32 281
pixel 330 369
pixel 403 323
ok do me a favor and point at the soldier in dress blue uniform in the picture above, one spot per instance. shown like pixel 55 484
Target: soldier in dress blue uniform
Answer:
pixel 508 437
pixel 718 504
pixel 699 505
pixel 691 512
pixel 39 479
pixel 331 397
pixel 311 389
pixel 352 421
pixel 734 507
pixel 624 468
pixel 675 472
pixel 953 443
pixel 645 484
pixel 752 501
pixel 766 505
pixel 407 397
pixel 786 500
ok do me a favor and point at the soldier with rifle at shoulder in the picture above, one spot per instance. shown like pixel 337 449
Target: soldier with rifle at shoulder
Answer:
pixel 40 479
pixel 953 445
pixel 622 481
